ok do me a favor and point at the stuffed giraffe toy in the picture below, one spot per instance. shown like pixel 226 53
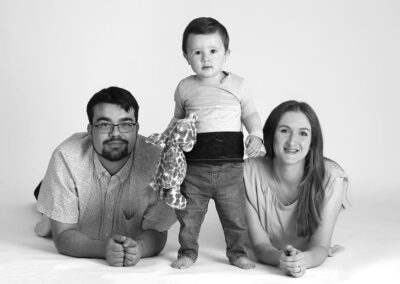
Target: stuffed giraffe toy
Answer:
pixel 171 168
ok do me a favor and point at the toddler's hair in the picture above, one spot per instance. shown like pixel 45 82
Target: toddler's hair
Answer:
pixel 205 25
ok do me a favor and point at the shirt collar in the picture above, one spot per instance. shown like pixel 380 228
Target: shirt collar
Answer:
pixel 122 174
pixel 225 78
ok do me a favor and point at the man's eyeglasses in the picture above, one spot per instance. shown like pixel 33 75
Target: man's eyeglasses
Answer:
pixel 123 127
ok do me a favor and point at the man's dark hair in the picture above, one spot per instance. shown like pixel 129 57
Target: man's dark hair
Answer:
pixel 203 26
pixel 113 95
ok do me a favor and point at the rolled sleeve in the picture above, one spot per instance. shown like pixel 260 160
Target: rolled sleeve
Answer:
pixel 250 117
pixel 159 217
pixel 336 183
pixel 58 197
pixel 179 111
pixel 336 191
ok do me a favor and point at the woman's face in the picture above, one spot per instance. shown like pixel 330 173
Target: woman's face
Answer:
pixel 292 138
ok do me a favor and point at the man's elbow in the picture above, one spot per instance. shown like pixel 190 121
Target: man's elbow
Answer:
pixel 161 240
pixel 61 242
pixel 59 246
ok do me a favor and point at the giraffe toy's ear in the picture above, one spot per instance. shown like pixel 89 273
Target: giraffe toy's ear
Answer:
pixel 157 139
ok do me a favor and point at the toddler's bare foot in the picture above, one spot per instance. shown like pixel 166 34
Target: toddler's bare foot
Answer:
pixel 43 228
pixel 182 262
pixel 243 263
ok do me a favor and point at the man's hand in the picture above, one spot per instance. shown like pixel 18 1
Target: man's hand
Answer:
pixel 292 262
pixel 253 145
pixel 133 252
pixel 114 251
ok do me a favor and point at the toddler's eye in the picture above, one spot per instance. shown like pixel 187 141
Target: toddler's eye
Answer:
pixel 214 50
pixel 196 53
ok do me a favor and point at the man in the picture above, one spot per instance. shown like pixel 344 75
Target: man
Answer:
pixel 95 192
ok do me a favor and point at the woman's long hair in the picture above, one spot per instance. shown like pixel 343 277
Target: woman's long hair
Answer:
pixel 311 188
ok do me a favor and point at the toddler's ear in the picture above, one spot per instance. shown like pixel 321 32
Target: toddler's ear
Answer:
pixel 227 55
pixel 186 57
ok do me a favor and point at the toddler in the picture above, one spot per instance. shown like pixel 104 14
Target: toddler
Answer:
pixel 222 102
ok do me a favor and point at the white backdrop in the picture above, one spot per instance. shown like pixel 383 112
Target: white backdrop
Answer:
pixel 342 57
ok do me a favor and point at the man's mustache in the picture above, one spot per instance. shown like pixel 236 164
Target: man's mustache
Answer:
pixel 115 140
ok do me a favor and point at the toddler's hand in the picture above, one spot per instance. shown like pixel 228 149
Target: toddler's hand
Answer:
pixel 253 146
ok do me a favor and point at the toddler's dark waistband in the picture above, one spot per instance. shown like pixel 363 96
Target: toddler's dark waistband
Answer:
pixel 217 146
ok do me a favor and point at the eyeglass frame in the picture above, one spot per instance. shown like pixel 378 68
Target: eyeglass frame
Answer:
pixel 112 125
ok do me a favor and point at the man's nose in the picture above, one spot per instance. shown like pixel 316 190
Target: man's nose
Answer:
pixel 115 131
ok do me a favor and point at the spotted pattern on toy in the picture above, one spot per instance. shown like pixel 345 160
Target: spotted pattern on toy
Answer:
pixel 171 169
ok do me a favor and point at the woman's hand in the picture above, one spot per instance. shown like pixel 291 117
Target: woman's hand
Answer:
pixel 292 261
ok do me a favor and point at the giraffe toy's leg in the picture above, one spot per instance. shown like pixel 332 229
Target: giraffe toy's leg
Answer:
pixel 175 199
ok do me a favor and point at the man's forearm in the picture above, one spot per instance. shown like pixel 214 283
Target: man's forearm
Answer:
pixel 73 243
pixel 151 242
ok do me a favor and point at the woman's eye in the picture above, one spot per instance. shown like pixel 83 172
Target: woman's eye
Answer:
pixel 303 133
pixel 283 131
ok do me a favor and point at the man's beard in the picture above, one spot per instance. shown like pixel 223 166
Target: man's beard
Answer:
pixel 114 155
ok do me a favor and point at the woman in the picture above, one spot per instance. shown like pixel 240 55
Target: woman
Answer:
pixel 294 194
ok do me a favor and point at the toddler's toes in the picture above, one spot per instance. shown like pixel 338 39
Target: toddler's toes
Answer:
pixel 243 263
pixel 182 262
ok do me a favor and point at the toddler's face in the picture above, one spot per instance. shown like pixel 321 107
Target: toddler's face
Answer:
pixel 206 54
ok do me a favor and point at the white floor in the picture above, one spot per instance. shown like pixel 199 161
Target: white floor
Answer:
pixel 370 231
